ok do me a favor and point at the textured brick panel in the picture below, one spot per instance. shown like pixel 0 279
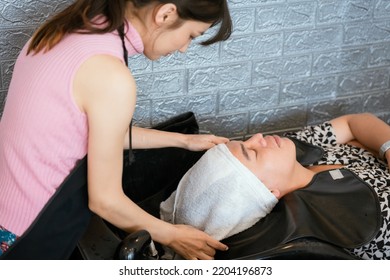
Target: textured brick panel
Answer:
pixel 249 98
pixel 287 62
pixel 243 20
pixel 272 70
pixel 265 121
pixel 12 42
pixel 138 64
pixel 3 95
pixel 221 77
pixel 340 61
pixel 294 15
pixel 1 81
pixel 380 55
pixel 28 12
pixel 239 3
pixel 245 48
pixel 308 90
pixel 160 84
pixel 382 9
pixel 204 104
pixel 367 32
pixel 142 113
pixel 6 71
pixel 312 40
pixel 196 56
pixel 377 102
pixel 363 81
pixel 331 11
pixel 228 125
pixel 199 56
pixel 174 61
pixel 326 110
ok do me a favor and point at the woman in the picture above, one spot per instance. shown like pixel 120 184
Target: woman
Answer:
pixel 71 94
pixel 359 143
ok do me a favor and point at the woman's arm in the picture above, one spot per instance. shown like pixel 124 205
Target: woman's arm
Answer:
pixel 105 90
pixel 365 128
pixel 146 138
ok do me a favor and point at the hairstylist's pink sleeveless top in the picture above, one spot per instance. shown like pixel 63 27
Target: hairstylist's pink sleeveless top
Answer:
pixel 42 131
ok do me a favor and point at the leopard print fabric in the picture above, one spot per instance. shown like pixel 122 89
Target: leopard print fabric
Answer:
pixel 364 164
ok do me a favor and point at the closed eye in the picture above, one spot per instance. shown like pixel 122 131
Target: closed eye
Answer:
pixel 244 152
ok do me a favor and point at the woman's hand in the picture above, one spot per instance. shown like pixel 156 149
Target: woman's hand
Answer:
pixel 200 142
pixel 146 138
pixel 193 244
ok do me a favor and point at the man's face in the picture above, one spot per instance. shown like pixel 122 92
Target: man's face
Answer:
pixel 270 158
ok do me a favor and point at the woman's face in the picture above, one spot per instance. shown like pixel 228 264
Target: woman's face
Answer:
pixel 166 41
pixel 270 158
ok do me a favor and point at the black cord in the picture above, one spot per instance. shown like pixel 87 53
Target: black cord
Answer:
pixel 121 31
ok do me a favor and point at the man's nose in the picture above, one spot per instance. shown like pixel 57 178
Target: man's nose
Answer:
pixel 256 141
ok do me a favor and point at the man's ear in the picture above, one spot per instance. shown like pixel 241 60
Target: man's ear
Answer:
pixel 276 193
pixel 166 14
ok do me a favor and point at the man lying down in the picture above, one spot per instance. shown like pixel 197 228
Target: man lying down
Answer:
pixel 234 185
pixel 223 200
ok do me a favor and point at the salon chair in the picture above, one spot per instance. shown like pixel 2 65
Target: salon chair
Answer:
pixel 152 179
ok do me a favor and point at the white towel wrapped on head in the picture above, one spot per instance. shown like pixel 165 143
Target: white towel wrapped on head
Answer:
pixel 219 196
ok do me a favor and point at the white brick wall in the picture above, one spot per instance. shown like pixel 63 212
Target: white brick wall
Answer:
pixel 288 63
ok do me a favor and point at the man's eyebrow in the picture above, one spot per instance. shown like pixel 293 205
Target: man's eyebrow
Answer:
pixel 245 153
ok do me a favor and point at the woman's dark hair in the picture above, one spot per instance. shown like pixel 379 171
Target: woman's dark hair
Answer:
pixel 78 18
